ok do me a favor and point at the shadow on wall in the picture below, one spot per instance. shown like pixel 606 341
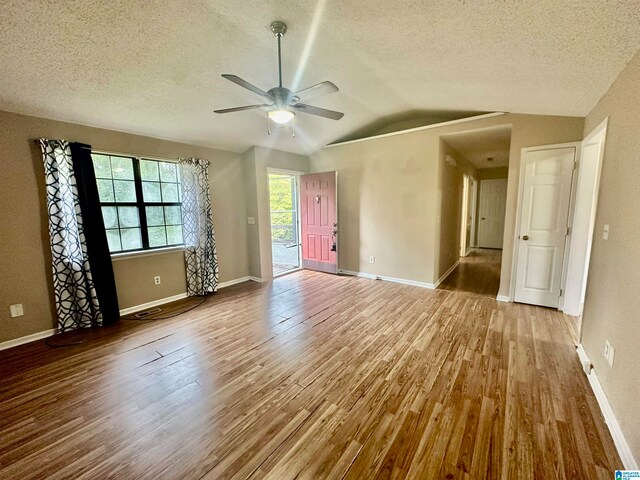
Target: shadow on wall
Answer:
pixel 38 171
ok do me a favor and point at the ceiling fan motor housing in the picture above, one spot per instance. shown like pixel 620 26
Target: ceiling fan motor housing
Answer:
pixel 282 97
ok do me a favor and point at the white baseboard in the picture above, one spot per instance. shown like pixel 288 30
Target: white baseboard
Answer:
pixel 26 339
pixel 256 279
pixel 180 296
pixel 446 274
pixel 155 303
pixel 235 282
pixel 610 419
pixel 503 298
pixel 387 279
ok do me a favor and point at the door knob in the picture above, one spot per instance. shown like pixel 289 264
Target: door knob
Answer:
pixel 525 237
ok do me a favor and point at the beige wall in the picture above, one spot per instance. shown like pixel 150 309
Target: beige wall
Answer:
pixel 612 304
pixel 389 198
pixel 251 195
pixel 450 183
pixel 493 173
pixel 256 163
pixel 25 274
pixel 387 192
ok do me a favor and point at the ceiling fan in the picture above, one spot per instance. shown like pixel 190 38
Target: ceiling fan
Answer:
pixel 282 102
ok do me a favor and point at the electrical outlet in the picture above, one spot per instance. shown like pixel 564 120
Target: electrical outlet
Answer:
pixel 372 259
pixel 251 220
pixel 156 280
pixel 16 310
pixel 605 232
pixel 609 352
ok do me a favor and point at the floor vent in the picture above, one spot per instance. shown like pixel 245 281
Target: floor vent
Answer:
pixel 146 313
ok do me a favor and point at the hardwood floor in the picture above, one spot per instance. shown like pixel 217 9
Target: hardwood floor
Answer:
pixel 478 272
pixel 310 376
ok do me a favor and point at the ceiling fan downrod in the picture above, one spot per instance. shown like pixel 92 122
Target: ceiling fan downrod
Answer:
pixel 279 29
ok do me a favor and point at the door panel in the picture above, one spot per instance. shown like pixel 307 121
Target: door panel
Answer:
pixel 319 221
pixel 493 199
pixel 543 225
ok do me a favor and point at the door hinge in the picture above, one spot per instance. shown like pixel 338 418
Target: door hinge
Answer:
pixel 568 231
pixel 561 292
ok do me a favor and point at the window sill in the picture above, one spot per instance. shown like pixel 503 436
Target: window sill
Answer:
pixel 146 253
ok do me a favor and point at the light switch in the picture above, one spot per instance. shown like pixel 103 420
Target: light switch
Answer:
pixel 251 220
pixel 605 232
pixel 16 310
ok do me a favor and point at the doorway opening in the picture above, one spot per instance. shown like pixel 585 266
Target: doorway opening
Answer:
pixel 285 224
pixel 476 180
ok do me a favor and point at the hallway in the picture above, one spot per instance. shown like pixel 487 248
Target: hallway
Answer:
pixel 478 272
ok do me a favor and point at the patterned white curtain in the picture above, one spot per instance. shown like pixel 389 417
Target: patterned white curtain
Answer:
pixel 75 294
pixel 200 245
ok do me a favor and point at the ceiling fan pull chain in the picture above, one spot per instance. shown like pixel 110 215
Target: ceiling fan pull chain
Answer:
pixel 268 125
pixel 293 128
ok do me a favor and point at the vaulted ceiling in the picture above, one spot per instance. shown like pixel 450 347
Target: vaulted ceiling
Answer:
pixel 154 68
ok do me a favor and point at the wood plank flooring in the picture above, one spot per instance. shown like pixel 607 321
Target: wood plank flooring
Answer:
pixel 309 376
pixel 478 272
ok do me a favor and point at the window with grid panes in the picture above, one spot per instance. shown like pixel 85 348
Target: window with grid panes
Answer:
pixel 140 201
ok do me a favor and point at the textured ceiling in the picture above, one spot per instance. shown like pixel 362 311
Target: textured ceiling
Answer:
pixel 154 67
pixel 477 146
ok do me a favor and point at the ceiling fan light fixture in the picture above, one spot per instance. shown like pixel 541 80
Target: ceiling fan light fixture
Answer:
pixel 281 115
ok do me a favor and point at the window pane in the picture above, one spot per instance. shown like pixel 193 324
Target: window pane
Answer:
pixel 113 237
pixel 128 217
pixel 174 235
pixel 168 172
pixel 154 216
pixel 149 170
pixel 157 237
pixel 101 166
pixel 125 190
pixel 131 238
pixel 151 192
pixel 105 191
pixel 110 217
pixel 122 168
pixel 170 192
pixel 172 215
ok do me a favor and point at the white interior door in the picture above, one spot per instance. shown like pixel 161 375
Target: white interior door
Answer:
pixel 546 194
pixel 584 218
pixel 493 200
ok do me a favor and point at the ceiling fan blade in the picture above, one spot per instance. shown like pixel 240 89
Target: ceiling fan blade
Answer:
pixel 321 112
pixel 240 109
pixel 323 88
pixel 243 83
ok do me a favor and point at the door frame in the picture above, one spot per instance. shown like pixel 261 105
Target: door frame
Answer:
pixel 296 175
pixel 516 229
pixel 474 209
pixel 504 221
pixel 465 247
pixel 576 304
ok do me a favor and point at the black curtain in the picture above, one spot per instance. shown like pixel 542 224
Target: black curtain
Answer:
pixel 94 231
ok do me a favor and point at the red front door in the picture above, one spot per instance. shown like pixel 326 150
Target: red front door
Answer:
pixel 319 215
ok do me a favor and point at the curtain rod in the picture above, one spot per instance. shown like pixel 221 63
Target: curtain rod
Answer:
pixel 133 155
pixel 130 155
